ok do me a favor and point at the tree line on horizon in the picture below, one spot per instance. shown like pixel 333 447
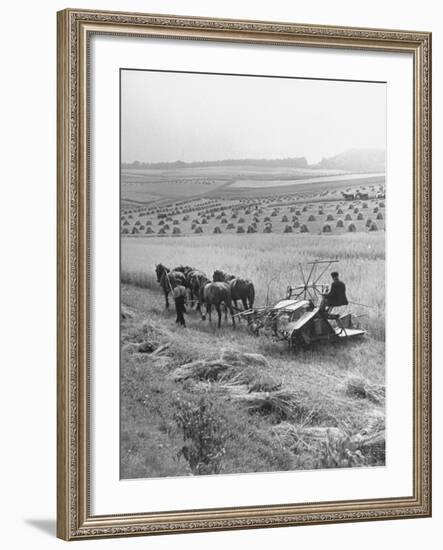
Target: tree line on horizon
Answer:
pixel 357 160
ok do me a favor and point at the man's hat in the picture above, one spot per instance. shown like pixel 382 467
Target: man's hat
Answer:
pixel 334 274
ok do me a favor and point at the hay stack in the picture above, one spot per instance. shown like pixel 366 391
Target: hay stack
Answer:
pixel 348 217
pixel 201 370
pixel 285 219
pixel 223 220
pixel 237 373
pixel 296 224
pixel 379 216
pixel 359 388
pixel 280 404
pixel 373 227
pixel 360 216
pixel 217 229
pixel 264 383
pixel 352 228
pixel 230 226
pixel 368 222
pixel 311 218
pixel 198 230
pixel 293 436
pixel 176 231
pixel 329 218
pixel 240 229
pixel 287 229
pixel 339 223
pixel 268 229
pixel 251 229
pixel 326 228
pixel 304 229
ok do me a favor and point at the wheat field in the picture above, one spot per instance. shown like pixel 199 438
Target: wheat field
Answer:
pixel 329 390
pixel 271 262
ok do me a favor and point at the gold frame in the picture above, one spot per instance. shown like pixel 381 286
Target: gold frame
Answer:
pixel 74 520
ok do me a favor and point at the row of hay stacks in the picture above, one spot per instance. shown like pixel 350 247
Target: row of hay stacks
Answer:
pixel 224 209
pixel 228 216
pixel 303 228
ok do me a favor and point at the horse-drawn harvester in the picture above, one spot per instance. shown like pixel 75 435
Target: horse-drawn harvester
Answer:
pixel 301 318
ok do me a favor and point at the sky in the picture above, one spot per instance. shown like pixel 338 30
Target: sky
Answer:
pixel 167 117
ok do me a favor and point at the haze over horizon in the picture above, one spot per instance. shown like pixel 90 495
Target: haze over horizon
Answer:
pixel 169 117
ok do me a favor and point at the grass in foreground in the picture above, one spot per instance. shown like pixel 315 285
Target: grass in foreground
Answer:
pixel 288 413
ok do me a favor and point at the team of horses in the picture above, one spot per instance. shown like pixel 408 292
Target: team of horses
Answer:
pixel 224 289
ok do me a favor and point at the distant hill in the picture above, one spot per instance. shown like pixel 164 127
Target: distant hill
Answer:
pixel 293 162
pixel 356 160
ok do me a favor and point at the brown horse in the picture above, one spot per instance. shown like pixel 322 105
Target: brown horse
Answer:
pixel 215 294
pixel 196 280
pixel 241 289
pixel 187 270
pixel 168 280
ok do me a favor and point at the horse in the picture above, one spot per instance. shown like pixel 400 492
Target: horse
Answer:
pixel 214 294
pixel 185 269
pixel 241 289
pixel 168 280
pixel 196 279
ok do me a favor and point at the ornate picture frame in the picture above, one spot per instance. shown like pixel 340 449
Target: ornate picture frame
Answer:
pixel 74 516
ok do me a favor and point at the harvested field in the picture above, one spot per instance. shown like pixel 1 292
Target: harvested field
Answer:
pixel 276 411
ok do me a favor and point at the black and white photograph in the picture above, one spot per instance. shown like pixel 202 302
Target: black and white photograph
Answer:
pixel 252 276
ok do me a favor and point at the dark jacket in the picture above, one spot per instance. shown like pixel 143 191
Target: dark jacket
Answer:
pixel 337 295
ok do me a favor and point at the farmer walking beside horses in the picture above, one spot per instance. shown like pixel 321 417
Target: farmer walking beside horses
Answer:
pixel 179 295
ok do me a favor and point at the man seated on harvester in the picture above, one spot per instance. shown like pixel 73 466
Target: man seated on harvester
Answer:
pixel 336 295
